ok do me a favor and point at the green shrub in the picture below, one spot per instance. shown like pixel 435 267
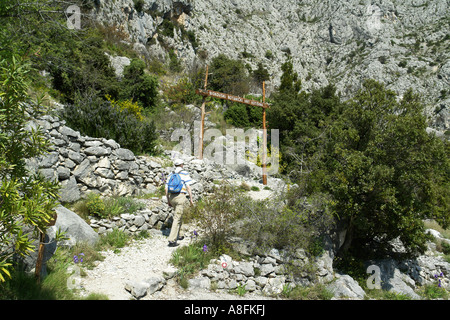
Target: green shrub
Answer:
pixel 316 292
pixel 269 54
pixel 23 286
pixel 291 228
pixel 433 292
pixel 139 5
pixel 112 208
pixel 129 205
pixel 244 116
pixel 26 199
pixel 229 76
pixel 174 63
pixel 95 117
pixel 244 186
pixel 402 64
pixel 81 66
pixel 190 259
pixel 139 86
pixel 445 247
pixel 167 28
pixel 192 38
pixel 115 240
pixel 108 207
pixel 382 59
pixel 261 74
pixel 182 92
pixel 237 115
pixel 369 154
pixel 216 215
pixel 95 205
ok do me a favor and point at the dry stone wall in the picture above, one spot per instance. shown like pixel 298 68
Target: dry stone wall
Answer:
pixel 82 164
pixel 157 217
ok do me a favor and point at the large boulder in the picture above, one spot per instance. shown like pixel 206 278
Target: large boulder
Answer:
pixel 75 228
pixel 395 281
pixel 346 287
pixel 139 289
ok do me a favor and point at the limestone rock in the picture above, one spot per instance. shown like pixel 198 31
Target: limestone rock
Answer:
pixel 96 151
pixel 346 287
pixel 124 154
pixel 155 283
pixel 199 283
pixel 137 289
pixel 69 191
pixel 339 40
pixel 75 228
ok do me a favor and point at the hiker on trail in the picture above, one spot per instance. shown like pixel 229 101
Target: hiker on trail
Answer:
pixel 177 187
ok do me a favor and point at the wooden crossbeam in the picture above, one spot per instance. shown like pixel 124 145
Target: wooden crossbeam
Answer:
pixel 209 93
pixel 225 96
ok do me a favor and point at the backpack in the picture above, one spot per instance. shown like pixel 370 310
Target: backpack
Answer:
pixel 175 183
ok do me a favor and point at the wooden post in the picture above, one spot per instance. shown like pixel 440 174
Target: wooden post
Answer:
pixel 209 93
pixel 40 257
pixel 264 157
pixel 202 127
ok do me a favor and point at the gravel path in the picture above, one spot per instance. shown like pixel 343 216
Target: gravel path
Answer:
pixel 143 259
pixel 139 261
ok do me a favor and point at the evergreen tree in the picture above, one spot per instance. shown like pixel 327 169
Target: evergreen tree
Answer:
pixel 139 86
pixel 385 172
pixel 372 155
pixel 228 76
pixel 289 79
pixel 26 199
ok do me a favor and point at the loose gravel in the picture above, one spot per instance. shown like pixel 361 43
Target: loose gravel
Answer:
pixel 141 260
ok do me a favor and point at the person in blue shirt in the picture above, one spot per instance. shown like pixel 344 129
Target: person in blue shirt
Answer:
pixel 178 201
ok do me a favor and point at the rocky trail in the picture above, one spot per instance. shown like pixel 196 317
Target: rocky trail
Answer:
pixel 142 270
pixel 143 260
pixel 84 164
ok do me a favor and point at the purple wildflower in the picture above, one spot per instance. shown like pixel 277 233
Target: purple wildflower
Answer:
pixel 205 248
pixel 76 259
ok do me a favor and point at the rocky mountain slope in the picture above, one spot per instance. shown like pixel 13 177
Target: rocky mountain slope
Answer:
pixel 404 44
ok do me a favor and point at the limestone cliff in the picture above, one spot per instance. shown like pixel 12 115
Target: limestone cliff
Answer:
pixel 404 44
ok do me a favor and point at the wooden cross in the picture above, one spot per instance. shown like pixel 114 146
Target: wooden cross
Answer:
pixel 209 93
